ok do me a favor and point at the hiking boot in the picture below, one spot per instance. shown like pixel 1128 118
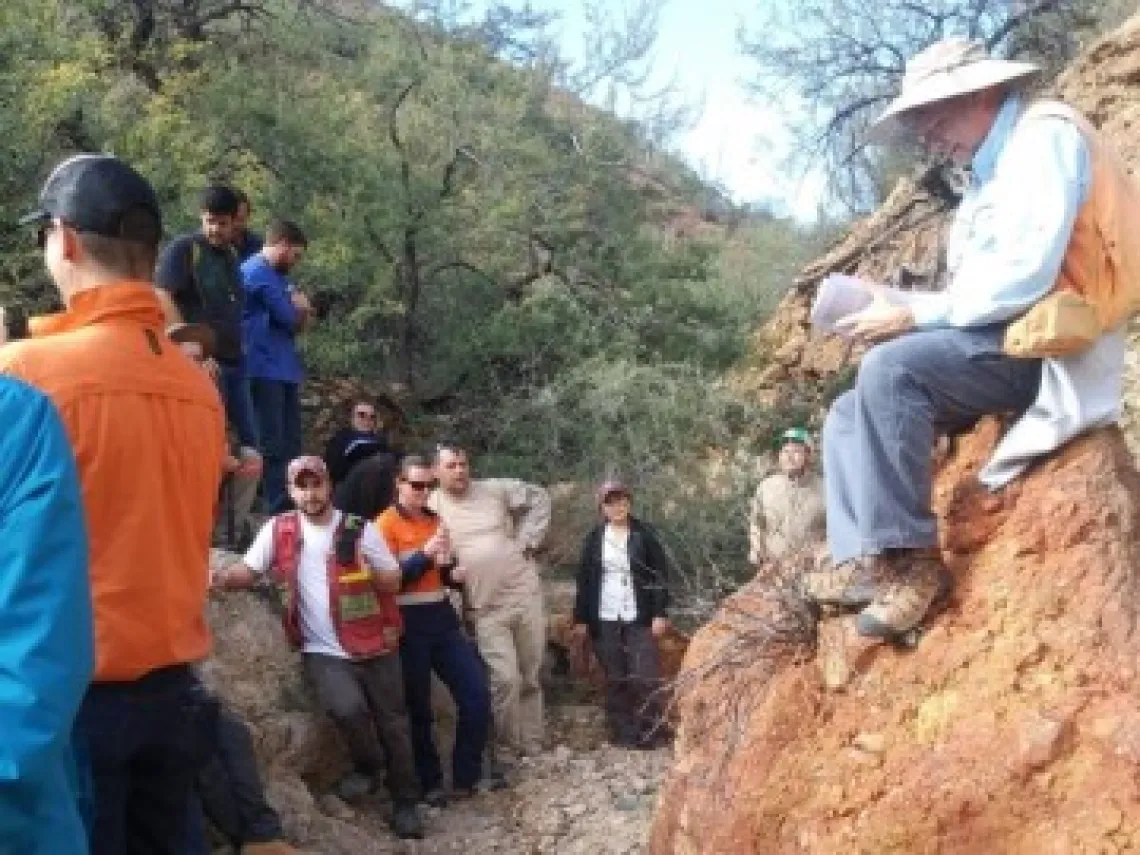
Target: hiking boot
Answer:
pixel 435 797
pixel 406 823
pixel 850 585
pixel 353 786
pixel 919 583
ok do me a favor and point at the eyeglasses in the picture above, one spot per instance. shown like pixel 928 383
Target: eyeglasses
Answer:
pixel 361 414
pixel 420 485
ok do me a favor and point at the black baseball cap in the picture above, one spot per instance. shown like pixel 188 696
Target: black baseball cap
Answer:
pixel 99 194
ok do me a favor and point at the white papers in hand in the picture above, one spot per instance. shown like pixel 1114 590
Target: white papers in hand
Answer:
pixel 840 295
pixel 837 297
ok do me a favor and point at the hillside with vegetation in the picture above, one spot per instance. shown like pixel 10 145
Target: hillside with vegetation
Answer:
pixel 514 266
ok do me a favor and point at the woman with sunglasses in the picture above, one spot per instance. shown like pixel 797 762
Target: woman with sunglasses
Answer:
pixel 433 640
pixel 622 599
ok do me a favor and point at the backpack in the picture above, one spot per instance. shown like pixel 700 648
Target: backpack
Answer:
pixel 1098 287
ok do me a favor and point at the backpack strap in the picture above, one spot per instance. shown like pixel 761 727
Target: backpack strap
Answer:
pixel 347 538
pixel 286 545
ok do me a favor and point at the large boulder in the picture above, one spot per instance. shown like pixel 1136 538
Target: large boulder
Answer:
pixel 1014 726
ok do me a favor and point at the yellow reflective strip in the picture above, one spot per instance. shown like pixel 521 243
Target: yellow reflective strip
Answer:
pixel 358 576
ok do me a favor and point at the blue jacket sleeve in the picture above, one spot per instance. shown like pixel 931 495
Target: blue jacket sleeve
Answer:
pixel 47 654
pixel 263 289
pixel 413 566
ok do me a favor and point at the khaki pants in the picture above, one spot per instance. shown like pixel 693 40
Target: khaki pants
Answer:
pixel 512 640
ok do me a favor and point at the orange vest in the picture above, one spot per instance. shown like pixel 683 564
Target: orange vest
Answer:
pixel 145 424
pixel 1102 262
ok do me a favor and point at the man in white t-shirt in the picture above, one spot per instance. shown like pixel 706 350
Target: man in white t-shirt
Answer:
pixel 338 579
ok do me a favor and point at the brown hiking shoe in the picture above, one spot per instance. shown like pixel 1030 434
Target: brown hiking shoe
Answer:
pixel 850 585
pixel 919 581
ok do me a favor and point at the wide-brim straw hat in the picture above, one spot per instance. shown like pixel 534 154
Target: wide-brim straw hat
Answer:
pixel 945 70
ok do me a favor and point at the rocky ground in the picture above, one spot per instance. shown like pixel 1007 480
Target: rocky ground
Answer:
pixel 1012 728
pixel 580 796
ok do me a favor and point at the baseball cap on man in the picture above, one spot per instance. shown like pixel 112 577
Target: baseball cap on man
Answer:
pixel 794 434
pixel 99 194
pixel 308 464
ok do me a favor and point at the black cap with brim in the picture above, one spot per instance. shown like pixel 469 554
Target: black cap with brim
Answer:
pixel 99 194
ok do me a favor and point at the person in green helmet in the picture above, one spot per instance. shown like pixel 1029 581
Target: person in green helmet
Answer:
pixel 787 513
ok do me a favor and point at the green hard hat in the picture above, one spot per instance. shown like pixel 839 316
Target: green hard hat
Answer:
pixel 794 434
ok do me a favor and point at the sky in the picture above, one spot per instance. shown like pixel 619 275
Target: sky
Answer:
pixel 737 142
pixel 740 144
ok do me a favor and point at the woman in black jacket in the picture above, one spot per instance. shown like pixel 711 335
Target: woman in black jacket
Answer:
pixel 622 599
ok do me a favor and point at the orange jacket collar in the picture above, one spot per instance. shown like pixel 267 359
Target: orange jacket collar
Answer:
pixel 128 300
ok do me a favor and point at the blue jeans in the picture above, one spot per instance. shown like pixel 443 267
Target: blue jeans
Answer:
pixel 144 741
pixel 433 641
pixel 278 408
pixel 239 407
pixel 879 436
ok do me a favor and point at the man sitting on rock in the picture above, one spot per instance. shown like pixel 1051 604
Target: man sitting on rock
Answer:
pixel 337 581
pixel 787 513
pixel 1043 190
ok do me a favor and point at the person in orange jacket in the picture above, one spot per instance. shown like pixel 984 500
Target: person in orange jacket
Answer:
pixel 131 403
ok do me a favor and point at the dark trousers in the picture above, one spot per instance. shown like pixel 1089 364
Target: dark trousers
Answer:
pixel 230 791
pixel 628 654
pixel 365 697
pixel 144 743
pixel 433 641
pixel 278 408
pixel 234 387
pixel 878 437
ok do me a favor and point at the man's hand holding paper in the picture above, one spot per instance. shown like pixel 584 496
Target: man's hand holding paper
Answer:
pixel 880 321
pixel 859 309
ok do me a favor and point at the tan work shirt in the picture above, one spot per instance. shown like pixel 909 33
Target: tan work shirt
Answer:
pixel 492 526
pixel 787 515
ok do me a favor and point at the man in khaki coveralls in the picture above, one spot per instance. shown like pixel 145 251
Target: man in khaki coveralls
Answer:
pixel 496 525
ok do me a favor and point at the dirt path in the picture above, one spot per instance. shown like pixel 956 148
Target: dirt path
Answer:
pixel 581 797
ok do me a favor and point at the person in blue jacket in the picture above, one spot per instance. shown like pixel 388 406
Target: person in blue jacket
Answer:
pixel 274 313
pixel 47 640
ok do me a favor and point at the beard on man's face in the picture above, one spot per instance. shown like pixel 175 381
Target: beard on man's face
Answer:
pixel 313 507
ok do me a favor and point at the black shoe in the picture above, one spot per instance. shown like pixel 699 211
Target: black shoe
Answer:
pixel 435 797
pixel 406 823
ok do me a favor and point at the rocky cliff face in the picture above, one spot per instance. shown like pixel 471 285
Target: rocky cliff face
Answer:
pixel 1013 727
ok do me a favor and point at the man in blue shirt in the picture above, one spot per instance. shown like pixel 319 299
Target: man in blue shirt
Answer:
pixel 939 364
pixel 274 313
pixel 46 635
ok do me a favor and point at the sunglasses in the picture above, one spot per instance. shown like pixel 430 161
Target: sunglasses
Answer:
pixel 420 485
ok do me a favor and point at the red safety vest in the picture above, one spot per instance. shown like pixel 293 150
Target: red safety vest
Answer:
pixel 366 619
